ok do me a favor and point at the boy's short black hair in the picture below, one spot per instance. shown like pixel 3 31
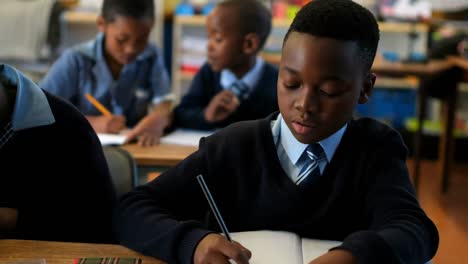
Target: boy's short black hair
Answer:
pixel 137 9
pixel 342 20
pixel 252 16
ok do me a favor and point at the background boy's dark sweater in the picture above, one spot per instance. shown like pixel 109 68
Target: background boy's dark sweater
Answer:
pixel 261 102
pixel 364 198
pixel 59 181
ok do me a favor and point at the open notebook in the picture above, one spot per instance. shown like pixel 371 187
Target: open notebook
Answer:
pixel 270 247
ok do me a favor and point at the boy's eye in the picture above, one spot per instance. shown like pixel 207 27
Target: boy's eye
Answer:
pixel 121 40
pixel 325 93
pixel 331 89
pixel 291 85
pixel 217 39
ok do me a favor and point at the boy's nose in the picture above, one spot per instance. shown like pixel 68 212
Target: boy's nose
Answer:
pixel 130 49
pixel 209 47
pixel 308 100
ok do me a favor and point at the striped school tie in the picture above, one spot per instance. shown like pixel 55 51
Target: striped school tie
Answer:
pixel 311 170
pixel 240 89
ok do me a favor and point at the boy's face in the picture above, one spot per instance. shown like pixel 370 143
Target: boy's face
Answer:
pixel 320 82
pixel 125 37
pixel 225 43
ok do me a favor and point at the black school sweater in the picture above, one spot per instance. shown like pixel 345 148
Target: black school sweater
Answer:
pixel 364 198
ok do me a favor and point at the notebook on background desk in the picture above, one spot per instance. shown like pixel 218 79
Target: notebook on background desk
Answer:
pixel 270 247
pixel 182 137
pixel 111 139
pixel 185 137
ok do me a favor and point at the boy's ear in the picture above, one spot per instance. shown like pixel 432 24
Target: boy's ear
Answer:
pixel 101 23
pixel 367 88
pixel 251 43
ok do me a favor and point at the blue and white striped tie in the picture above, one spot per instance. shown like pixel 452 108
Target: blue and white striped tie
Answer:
pixel 311 170
pixel 240 89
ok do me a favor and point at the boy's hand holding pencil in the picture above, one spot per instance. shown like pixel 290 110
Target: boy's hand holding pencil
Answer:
pixel 107 122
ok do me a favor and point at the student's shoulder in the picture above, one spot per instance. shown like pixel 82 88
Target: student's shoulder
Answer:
pixel 77 55
pixel 82 52
pixel 205 69
pixel 206 74
pixel 243 133
pixel 270 68
pixel 373 133
pixel 153 49
pixel 66 115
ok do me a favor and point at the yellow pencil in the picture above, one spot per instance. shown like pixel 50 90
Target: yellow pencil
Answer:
pixel 98 105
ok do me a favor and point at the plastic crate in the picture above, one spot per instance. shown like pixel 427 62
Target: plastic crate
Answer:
pixel 392 106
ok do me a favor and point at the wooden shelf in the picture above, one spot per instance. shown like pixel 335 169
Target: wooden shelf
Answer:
pixel 397 83
pixel 197 20
pixel 80 17
pixel 403 27
pixel 186 76
pixel 271 58
pixel 200 20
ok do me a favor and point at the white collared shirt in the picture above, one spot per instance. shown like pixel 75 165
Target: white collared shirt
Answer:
pixel 251 78
pixel 290 150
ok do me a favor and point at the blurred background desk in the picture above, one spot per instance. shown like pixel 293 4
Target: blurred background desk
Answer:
pixel 419 70
pixel 448 110
pixel 158 158
pixel 12 251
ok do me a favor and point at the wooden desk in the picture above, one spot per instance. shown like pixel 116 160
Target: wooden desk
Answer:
pixel 63 252
pixel 419 70
pixel 449 108
pixel 159 155
pixel 448 115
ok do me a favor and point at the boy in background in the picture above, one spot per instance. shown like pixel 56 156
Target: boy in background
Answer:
pixel 310 169
pixel 235 84
pixel 121 70
pixel 55 183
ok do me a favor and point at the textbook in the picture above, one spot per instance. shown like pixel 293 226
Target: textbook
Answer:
pixel 270 247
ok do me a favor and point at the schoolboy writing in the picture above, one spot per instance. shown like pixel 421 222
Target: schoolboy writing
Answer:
pixel 310 169
pixel 121 70
pixel 52 187
pixel 234 84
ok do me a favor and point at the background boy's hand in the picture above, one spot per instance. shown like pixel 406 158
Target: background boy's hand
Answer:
pixel 216 249
pixel 221 106
pixel 337 256
pixel 107 124
pixel 151 128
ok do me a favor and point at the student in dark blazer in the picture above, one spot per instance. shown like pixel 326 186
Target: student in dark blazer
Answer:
pixel 234 84
pixel 310 169
pixel 54 183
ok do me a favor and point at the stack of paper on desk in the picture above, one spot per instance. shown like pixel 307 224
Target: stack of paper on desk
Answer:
pixel 270 247
pixel 185 137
